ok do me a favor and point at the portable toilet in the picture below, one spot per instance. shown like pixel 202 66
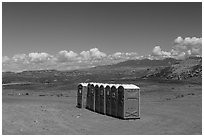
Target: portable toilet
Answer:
pixel 81 95
pixel 102 99
pixel 88 96
pixel 97 98
pixel 108 99
pixel 128 101
pixel 114 100
pixel 92 98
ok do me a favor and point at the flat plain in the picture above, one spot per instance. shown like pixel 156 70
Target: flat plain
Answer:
pixel 166 108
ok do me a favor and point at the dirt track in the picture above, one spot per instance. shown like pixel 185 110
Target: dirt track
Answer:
pixel 178 111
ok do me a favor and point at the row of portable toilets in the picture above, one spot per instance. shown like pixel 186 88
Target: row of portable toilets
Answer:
pixel 116 100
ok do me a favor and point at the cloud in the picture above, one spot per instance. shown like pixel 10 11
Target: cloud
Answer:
pixel 96 54
pixel 5 59
pixel 85 55
pixel 92 54
pixel 178 40
pixel 158 52
pixel 20 58
pixel 65 56
pixel 188 41
pixel 189 46
pixel 123 56
pixel 117 55
pixel 182 48
pixel 64 60
pixel 39 57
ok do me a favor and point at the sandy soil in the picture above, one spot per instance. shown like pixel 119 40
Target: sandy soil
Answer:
pixel 165 109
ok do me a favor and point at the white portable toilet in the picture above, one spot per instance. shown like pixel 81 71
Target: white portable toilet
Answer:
pixel 128 101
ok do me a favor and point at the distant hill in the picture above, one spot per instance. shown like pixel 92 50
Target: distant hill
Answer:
pixel 126 69
pixel 141 63
pixel 147 63
pixel 186 69
pixel 168 69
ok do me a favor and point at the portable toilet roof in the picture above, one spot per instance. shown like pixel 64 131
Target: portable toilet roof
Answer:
pixel 92 83
pixel 130 86
pixel 106 84
pixel 84 84
pixel 103 84
pixel 125 86
pixel 99 84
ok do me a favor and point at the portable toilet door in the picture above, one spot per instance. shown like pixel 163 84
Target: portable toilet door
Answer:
pixel 114 101
pixel 97 99
pixel 88 96
pixel 131 106
pixel 92 98
pixel 120 112
pixel 102 100
pixel 81 95
pixel 108 100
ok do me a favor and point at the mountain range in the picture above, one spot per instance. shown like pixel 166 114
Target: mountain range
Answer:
pixel 166 69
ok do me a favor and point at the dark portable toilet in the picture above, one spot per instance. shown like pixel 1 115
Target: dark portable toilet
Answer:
pixel 102 100
pixel 128 101
pixel 88 96
pixel 108 100
pixel 114 101
pixel 97 99
pixel 92 98
pixel 81 95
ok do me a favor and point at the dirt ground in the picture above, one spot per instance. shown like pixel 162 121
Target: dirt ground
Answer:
pixel 165 109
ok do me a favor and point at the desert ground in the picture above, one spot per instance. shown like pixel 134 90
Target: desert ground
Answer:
pixel 166 108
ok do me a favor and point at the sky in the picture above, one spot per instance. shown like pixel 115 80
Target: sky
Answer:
pixel 69 35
